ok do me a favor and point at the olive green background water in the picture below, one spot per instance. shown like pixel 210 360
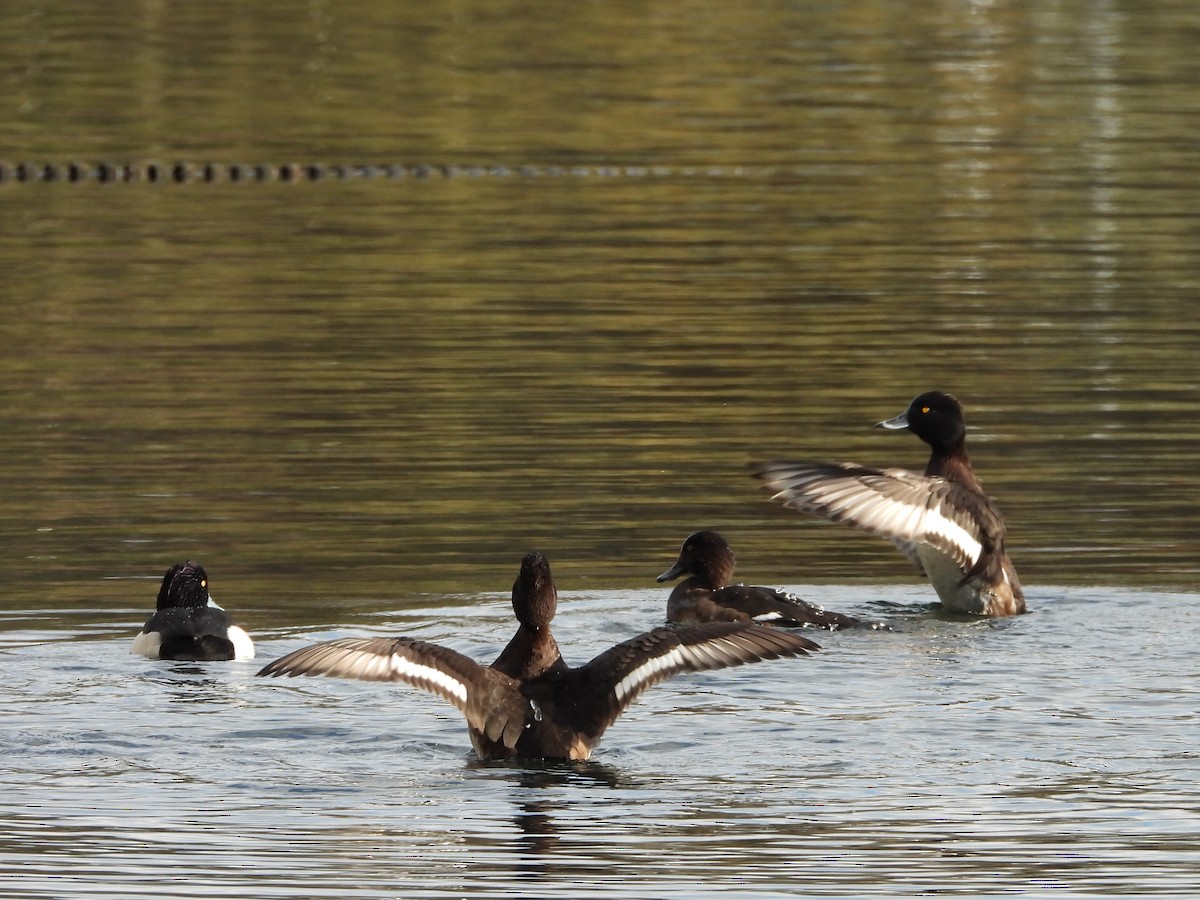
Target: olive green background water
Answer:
pixel 380 387
pixel 352 398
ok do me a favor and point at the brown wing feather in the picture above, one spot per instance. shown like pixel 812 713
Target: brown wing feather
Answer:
pixel 905 507
pixel 430 667
pixel 620 674
pixel 491 701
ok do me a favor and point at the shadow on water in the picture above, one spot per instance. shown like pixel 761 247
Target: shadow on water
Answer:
pixel 543 796
pixel 200 683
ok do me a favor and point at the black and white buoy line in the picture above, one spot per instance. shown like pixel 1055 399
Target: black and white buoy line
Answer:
pixel 233 173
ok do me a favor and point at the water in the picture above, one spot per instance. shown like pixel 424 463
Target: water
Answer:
pixel 1055 751
pixel 358 403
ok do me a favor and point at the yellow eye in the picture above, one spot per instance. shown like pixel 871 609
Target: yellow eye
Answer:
pixel 203 582
pixel 924 409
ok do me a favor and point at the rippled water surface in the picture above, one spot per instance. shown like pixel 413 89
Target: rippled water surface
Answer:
pixel 1055 751
pixel 720 233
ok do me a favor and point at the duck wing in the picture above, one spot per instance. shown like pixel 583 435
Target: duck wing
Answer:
pixel 616 677
pixel 491 701
pixel 905 507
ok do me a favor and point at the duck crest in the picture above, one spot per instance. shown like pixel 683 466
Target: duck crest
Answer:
pixel 184 585
pixel 534 596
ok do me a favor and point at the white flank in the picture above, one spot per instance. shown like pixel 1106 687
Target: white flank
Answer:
pixel 768 617
pixel 407 669
pixel 147 643
pixel 243 647
pixel 946 577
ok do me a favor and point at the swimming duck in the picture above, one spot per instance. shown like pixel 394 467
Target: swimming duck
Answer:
pixel 708 596
pixel 942 519
pixel 529 703
pixel 188 624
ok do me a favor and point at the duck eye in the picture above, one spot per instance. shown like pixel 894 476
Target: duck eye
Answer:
pixel 924 409
pixel 203 582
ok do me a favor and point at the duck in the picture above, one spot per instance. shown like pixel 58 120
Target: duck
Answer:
pixel 941 519
pixel 528 703
pixel 708 594
pixel 188 624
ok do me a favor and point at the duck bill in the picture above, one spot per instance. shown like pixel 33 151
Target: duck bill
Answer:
pixel 674 572
pixel 897 424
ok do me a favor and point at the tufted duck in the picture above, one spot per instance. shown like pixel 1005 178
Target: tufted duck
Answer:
pixel 708 596
pixel 942 520
pixel 529 703
pixel 188 624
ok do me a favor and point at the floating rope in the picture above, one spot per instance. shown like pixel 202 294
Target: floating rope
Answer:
pixel 232 173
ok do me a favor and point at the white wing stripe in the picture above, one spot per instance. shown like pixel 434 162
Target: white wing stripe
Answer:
pixel 955 534
pixel 404 668
pixel 715 653
pixel 862 502
pixel 895 518
pixel 646 672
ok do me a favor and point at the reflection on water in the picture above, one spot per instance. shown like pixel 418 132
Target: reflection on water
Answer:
pixel 352 393
pixel 353 419
pixel 359 402
pixel 542 811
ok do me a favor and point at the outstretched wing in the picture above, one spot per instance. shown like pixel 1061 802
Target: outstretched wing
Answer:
pixel 491 701
pixel 619 675
pixel 906 508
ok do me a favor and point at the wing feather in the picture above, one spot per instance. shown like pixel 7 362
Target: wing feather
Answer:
pixel 491 701
pixel 439 670
pixel 620 674
pixel 904 507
